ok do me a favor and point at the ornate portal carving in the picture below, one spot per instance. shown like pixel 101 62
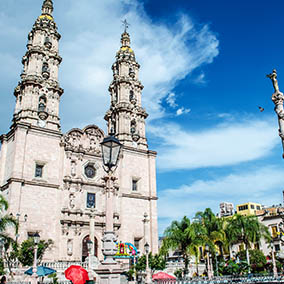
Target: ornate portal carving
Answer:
pixel 86 140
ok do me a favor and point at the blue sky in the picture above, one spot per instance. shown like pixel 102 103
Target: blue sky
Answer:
pixel 203 65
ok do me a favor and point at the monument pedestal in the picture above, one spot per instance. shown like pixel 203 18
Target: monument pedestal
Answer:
pixel 109 274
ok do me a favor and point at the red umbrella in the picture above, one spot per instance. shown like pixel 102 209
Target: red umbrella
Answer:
pixel 77 274
pixel 162 276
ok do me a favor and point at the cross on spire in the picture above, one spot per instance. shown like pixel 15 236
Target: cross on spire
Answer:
pixel 126 25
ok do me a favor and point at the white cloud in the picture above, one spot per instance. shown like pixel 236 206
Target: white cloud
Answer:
pixel 90 38
pixel 263 185
pixel 171 100
pixel 222 145
pixel 200 79
pixel 166 54
pixel 182 110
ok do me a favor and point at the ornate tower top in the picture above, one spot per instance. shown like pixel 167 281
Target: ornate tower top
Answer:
pixel 47 7
pixel 126 117
pixel 38 94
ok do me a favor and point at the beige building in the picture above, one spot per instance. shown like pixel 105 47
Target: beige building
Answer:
pixel 249 208
pixel 53 180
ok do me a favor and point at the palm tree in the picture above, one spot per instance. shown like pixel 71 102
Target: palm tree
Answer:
pixel 180 236
pixel 213 232
pixel 5 222
pixel 247 230
pixel 197 242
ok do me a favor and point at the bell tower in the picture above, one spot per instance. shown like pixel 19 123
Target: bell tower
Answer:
pixel 38 93
pixel 126 117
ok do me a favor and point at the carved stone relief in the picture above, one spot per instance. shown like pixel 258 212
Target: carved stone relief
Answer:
pixel 86 140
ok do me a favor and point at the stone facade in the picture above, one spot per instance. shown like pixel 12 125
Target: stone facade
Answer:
pixel 53 181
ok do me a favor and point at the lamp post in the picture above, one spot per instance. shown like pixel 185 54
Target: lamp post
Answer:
pixel 275 274
pixel 208 263
pixel 89 246
pixel 36 238
pixel 145 222
pixel 148 274
pixel 216 260
pixel 110 152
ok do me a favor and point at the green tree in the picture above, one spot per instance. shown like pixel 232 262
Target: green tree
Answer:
pixel 156 262
pixel 257 260
pixel 26 251
pixel 6 220
pixel 185 237
pixel 9 244
pixel 232 267
pixel 213 228
pixel 197 231
pixel 212 232
pixel 247 230
pixel 178 274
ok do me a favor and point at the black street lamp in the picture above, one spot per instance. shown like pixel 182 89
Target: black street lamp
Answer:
pixel 36 238
pixel 147 247
pixel 110 151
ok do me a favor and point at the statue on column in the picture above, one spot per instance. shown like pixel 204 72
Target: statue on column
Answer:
pixel 278 99
pixel 273 77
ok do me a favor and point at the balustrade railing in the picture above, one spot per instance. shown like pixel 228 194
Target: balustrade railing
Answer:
pixel 227 280
pixel 62 265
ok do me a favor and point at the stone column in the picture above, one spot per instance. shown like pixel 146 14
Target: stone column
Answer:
pixel 92 231
pixel 109 239
pixel 275 274
pixel 278 99
pixel 109 271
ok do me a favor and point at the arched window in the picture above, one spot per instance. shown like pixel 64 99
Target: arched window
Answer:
pixel 47 42
pixel 131 72
pixel 42 103
pixel 45 67
pixel 131 96
pixel 133 126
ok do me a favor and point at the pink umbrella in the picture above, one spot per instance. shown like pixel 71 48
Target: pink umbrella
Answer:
pixel 163 276
pixel 77 274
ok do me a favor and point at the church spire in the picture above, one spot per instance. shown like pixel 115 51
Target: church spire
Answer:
pixel 38 94
pixel 126 117
pixel 47 7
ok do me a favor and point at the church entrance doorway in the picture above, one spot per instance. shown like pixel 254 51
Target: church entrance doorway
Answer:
pixel 85 252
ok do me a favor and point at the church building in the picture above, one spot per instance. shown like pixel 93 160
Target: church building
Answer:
pixel 53 180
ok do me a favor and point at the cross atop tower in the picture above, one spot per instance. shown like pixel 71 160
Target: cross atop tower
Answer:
pixel 126 25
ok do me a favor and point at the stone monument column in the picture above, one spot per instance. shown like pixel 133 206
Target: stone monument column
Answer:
pixel 278 98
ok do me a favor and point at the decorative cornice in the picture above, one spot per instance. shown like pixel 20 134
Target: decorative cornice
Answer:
pixel 136 196
pixel 29 182
pixel 68 181
pixel 87 223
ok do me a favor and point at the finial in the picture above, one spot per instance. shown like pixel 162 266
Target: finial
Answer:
pixel 125 38
pixel 47 7
pixel 273 77
pixel 126 25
